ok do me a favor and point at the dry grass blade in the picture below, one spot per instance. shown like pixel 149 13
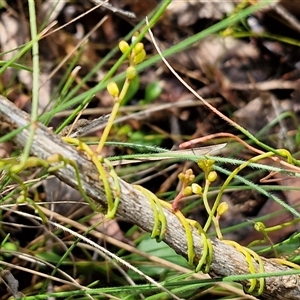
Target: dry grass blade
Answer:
pixel 195 151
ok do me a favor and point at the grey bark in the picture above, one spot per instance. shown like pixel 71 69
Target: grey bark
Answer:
pixel 135 208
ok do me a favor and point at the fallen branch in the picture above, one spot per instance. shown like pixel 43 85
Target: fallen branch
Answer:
pixel 135 207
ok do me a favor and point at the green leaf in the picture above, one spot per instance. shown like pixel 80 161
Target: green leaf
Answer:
pixel 152 92
pixel 49 257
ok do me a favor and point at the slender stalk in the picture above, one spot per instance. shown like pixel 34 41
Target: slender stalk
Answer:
pixel 35 84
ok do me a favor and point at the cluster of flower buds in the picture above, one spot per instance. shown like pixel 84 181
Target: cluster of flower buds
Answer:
pixel 135 56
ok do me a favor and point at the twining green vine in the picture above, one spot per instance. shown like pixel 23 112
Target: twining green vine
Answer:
pixel 249 256
pixel 112 196
pixel 160 221
pixel 11 167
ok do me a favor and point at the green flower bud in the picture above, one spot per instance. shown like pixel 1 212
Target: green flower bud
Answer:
pixel 181 176
pixel 259 226
pixel 222 208
pixel 197 189
pixel 189 172
pixel 139 57
pixel 130 72
pixel 187 191
pixel 138 48
pixel 113 89
pixel 21 198
pixel 191 178
pixel 123 46
pixel 212 176
pixel 206 164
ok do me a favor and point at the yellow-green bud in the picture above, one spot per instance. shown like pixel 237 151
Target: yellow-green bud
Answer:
pixel 123 46
pixel 206 164
pixel 189 172
pixel 181 176
pixel 197 189
pixel 130 72
pixel 222 208
pixel 31 162
pixel 259 226
pixel 139 57
pixel 21 198
pixel 187 191
pixel 138 48
pixel 54 158
pixel 191 177
pixel 212 176
pixel 113 89
pixel 188 176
